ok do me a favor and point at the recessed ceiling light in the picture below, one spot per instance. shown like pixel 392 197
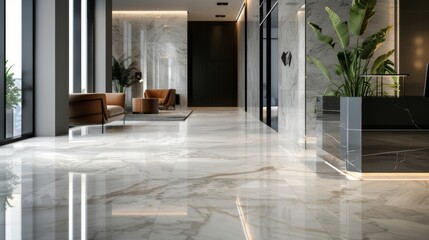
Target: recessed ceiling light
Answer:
pixel 220 16
pixel 222 4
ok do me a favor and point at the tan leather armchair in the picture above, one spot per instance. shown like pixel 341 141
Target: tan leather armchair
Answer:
pixel 96 108
pixel 166 97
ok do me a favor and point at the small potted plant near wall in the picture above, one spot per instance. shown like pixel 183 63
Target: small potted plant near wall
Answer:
pixel 13 97
pixel 121 74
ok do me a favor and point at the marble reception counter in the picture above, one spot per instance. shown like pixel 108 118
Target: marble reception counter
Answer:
pixel 374 135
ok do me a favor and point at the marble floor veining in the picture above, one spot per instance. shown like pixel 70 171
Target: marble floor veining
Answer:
pixel 219 175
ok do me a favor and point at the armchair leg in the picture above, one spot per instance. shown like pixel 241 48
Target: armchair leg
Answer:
pixel 124 120
pixel 102 126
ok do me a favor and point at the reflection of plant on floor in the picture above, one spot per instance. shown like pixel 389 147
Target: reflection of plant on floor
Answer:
pixel 121 74
pixel 13 93
pixel 8 182
pixel 356 60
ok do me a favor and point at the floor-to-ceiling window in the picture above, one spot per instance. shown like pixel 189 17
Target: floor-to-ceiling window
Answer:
pixel 268 61
pixel 81 41
pixel 16 74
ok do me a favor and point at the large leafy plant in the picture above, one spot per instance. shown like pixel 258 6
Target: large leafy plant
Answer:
pixel 121 74
pixel 357 59
pixel 13 93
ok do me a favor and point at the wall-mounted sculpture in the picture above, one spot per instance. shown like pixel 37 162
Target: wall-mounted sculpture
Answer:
pixel 286 58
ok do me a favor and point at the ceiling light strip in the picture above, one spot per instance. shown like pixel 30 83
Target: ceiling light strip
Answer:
pixel 269 13
pixel 241 10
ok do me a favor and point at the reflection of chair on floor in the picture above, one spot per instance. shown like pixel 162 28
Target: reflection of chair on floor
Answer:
pixel 166 97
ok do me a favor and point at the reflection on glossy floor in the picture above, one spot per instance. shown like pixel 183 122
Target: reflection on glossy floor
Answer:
pixel 218 175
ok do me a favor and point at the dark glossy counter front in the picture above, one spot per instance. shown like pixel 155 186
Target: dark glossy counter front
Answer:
pixel 374 135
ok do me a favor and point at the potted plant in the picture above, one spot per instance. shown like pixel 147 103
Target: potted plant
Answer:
pixel 346 98
pixel 355 59
pixel 121 74
pixel 13 98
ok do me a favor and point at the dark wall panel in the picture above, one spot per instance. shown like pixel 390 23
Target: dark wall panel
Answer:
pixel 212 64
pixel 414 44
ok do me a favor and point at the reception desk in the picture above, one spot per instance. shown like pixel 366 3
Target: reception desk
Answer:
pixel 373 134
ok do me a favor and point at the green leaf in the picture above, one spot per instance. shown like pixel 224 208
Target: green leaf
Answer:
pixel 346 60
pixel 322 38
pixel 361 12
pixel 340 28
pixel 373 42
pixel 369 48
pixel 13 93
pixel 380 34
pixel 338 69
pixel 380 62
pixel 323 69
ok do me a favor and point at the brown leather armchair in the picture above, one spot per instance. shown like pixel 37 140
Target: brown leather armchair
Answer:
pixel 166 97
pixel 96 108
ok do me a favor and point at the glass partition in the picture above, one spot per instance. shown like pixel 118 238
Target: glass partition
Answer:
pixel 274 69
pixel 16 70
pixel 13 68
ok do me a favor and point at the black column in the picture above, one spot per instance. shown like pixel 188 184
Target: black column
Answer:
pixel 27 68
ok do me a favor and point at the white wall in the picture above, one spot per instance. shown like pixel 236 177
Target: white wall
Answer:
pixel 253 67
pixel 241 49
pixel 292 78
pixel 51 67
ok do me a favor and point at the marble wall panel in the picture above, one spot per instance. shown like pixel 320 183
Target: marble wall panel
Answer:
pixel 253 55
pixel 292 78
pixel 241 51
pixel 157 43
pixel 315 12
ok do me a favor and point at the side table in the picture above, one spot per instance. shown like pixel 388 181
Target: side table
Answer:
pixel 145 105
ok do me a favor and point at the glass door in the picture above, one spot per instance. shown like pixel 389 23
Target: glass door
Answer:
pixel 274 83
pixel 16 65
pixel 268 63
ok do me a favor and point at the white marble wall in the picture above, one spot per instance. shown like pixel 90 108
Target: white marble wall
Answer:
pixel 315 12
pixel 292 78
pixel 157 43
pixel 253 67
pixel 241 35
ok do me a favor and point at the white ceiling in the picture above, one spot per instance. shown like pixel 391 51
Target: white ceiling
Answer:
pixel 199 10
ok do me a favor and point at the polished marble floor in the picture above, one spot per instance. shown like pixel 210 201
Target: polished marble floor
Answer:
pixel 219 175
